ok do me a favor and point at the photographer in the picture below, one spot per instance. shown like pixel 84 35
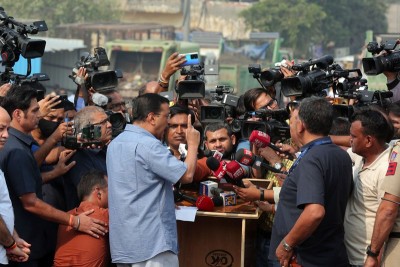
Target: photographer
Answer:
pixel 87 158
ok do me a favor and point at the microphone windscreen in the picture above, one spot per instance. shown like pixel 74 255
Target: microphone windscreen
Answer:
pixel 234 170
pixel 99 99
pixel 212 163
pixel 244 156
pixel 204 203
pixel 259 139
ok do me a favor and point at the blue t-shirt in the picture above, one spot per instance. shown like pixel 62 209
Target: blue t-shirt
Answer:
pixel 322 176
pixel 141 173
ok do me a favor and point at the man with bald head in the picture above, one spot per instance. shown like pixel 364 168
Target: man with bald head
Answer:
pixel 9 239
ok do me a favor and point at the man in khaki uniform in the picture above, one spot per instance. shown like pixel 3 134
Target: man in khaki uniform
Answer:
pixel 387 221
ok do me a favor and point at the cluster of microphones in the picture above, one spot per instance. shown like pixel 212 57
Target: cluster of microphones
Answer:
pixel 232 172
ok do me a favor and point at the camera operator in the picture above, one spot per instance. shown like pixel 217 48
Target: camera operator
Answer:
pixel 116 102
pixel 87 158
pixel 25 182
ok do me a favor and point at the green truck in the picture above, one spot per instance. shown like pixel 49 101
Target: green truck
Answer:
pixel 142 61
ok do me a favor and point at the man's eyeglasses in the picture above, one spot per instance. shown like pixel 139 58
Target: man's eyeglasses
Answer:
pixel 271 104
pixel 102 122
pixel 118 105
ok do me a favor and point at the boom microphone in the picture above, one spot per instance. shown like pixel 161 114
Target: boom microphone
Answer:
pixel 261 140
pixel 245 157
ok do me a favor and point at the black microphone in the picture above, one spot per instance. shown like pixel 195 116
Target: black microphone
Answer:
pixel 245 157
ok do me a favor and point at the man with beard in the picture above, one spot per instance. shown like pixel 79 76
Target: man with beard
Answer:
pixel 219 136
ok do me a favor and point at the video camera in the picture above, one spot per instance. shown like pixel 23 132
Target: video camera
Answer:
pixel 100 80
pixel 193 87
pixel 387 62
pixel 311 79
pixel 14 42
pixel 222 106
pixel 272 122
pixel 90 136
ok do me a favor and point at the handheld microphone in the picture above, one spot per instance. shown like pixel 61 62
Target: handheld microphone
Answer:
pixel 219 170
pixel 216 167
pixel 261 140
pixel 205 203
pixel 245 157
pixel 236 172
pixel 213 153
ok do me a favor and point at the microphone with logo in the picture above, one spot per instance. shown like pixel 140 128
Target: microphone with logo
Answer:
pixel 245 157
pixel 236 172
pixel 219 170
pixel 203 203
pixel 261 140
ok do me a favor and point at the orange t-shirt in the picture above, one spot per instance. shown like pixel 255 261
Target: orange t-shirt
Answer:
pixel 75 248
pixel 202 171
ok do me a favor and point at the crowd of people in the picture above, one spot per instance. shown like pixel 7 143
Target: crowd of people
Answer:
pixel 74 194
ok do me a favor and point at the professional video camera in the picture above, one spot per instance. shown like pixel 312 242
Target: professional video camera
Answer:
pixel 193 87
pixel 222 106
pixel 100 80
pixel 272 122
pixel 311 79
pixel 268 77
pixel 387 62
pixel 14 42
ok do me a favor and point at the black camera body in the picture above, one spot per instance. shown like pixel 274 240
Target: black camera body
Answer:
pixel 222 106
pixel 272 122
pixel 90 135
pixel 14 41
pixel 388 62
pixel 100 80
pixel 311 79
pixel 193 87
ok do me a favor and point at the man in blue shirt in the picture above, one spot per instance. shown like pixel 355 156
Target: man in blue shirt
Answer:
pixel 312 202
pixel 141 173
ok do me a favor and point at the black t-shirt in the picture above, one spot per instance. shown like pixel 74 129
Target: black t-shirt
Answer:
pixel 322 176
pixel 23 176
pixel 86 160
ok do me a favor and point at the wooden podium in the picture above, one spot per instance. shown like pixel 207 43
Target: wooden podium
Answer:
pixel 225 237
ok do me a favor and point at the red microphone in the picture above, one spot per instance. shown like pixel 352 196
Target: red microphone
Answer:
pixel 236 172
pixel 217 167
pixel 261 140
pixel 205 203
pixel 245 157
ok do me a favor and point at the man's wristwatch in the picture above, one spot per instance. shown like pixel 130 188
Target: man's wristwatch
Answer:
pixel 278 166
pixel 371 253
pixel 286 246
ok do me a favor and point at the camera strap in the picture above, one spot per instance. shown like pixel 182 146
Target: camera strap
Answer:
pixel 393 83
